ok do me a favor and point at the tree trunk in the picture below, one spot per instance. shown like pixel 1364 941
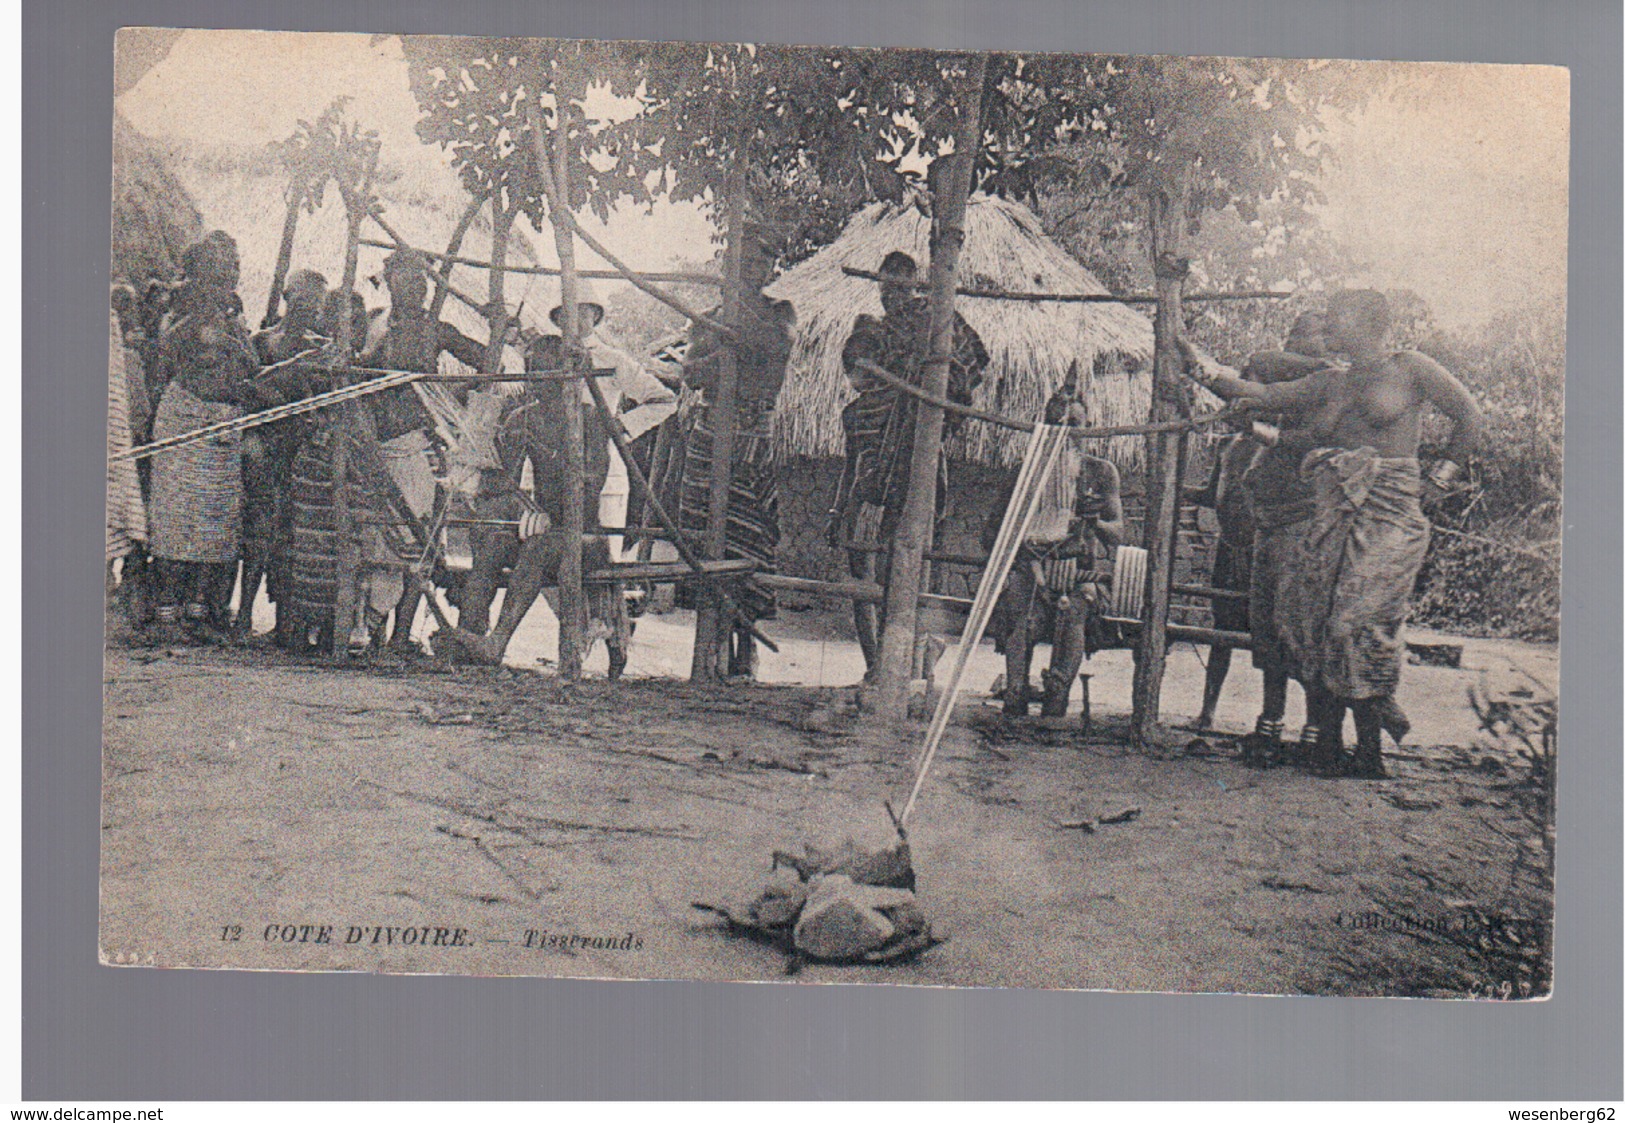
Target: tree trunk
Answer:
pixel 443 289
pixel 919 508
pixel 712 626
pixel 501 223
pixel 572 599
pixel 1164 457
pixel 348 559
pixel 284 254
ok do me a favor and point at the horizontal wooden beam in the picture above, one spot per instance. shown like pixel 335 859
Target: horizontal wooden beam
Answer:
pixel 527 376
pixel 1190 633
pixel 1082 432
pixel 1080 297
pixel 865 592
pixel 671 571
pixel 676 278
pixel 1209 592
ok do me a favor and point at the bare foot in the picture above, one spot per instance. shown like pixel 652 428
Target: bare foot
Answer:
pixel 1328 760
pixel 1393 719
pixel 1260 750
pixel 466 647
pixel 1367 766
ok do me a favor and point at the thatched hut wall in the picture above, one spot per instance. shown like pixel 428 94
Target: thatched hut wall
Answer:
pixel 154 216
pixel 1031 344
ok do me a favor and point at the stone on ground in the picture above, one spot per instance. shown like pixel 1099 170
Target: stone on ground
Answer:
pixel 838 923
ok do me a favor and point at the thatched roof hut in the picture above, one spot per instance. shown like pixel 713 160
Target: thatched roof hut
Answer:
pixel 242 190
pixel 154 217
pixel 1031 344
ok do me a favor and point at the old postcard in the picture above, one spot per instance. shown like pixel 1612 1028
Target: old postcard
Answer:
pixel 712 511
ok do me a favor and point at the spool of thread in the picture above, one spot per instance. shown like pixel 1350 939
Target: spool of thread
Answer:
pixel 532 523
pixel 1128 583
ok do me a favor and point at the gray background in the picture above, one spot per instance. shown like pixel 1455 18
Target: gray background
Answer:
pixel 92 1032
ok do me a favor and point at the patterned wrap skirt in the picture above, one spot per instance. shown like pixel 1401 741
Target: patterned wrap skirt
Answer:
pixel 1277 535
pixel 1343 604
pixel 753 495
pixel 313 547
pixel 196 513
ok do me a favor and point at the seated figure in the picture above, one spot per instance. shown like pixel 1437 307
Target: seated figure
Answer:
pixel 1051 594
pixel 533 433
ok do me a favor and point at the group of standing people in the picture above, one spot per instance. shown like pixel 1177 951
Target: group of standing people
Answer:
pixel 177 521
pixel 1326 529
pixel 1321 523
pixel 1323 533
pixel 185 520
pixel 264 499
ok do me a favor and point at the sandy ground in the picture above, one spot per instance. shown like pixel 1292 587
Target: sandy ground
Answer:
pixel 440 821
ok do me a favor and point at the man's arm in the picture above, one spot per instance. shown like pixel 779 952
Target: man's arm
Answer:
pixel 1207 495
pixel 1110 529
pixel 970 359
pixel 461 347
pixel 1100 516
pixel 861 344
pixel 1281 366
pixel 654 401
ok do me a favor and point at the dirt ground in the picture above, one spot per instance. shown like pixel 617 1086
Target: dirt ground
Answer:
pixel 262 812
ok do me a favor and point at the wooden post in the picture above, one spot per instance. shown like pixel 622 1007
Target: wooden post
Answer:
pixel 1164 455
pixel 556 184
pixel 501 223
pixel 348 557
pixel 713 628
pixel 919 508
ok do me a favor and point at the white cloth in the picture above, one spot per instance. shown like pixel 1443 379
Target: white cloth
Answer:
pixel 633 382
pixel 126 513
pixel 406 458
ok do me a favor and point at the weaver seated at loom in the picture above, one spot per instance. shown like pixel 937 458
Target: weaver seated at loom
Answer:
pixel 533 433
pixel 1051 595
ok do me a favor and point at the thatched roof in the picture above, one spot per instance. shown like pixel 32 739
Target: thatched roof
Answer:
pixel 154 217
pixel 1030 345
pixel 241 190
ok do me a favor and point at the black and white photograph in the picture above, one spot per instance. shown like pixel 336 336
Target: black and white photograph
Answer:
pixel 835 514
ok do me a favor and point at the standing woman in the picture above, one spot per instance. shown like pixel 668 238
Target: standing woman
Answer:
pixel 1346 594
pixel 204 361
pixel 305 616
pixel 761 350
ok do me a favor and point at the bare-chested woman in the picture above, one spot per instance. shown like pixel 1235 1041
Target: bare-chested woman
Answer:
pixel 1345 604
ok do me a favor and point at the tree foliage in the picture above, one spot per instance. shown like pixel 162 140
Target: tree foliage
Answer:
pixel 474 92
pixel 1492 568
pixel 332 148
